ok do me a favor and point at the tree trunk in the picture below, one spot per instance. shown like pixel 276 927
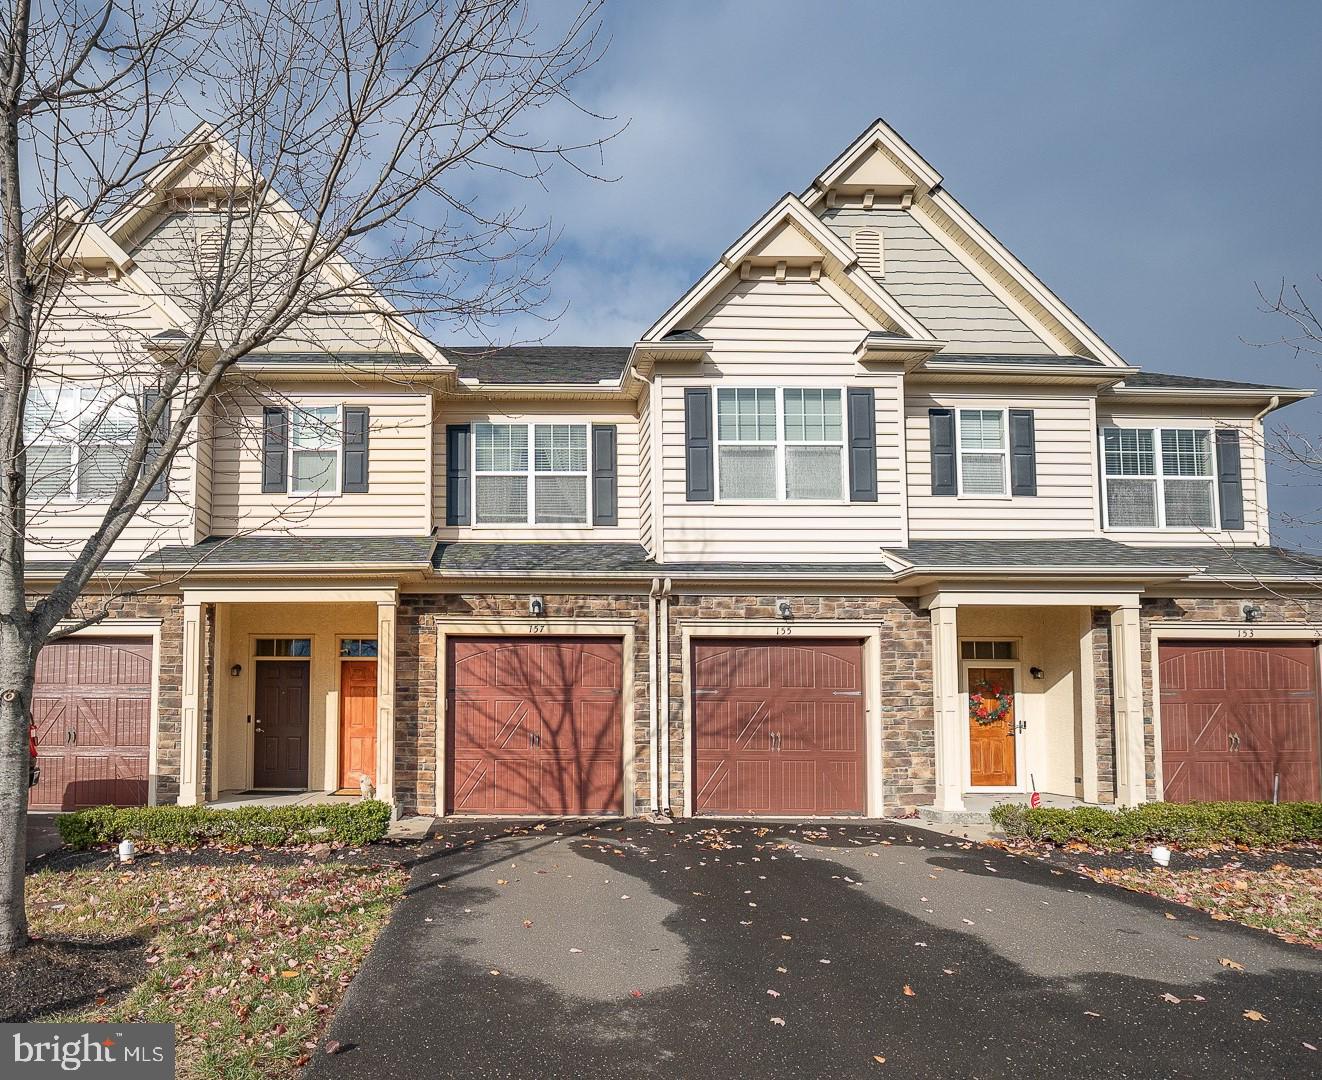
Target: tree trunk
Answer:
pixel 17 674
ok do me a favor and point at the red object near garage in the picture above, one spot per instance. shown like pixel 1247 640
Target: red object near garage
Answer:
pixel 91 709
pixel 778 728
pixel 534 726
pixel 1239 721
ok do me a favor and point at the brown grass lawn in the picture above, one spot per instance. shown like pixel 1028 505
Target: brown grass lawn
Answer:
pixel 247 960
pixel 1282 899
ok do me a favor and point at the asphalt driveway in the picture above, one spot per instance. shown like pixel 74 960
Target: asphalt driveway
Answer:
pixel 629 950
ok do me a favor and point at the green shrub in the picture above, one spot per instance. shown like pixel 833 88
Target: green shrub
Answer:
pixel 1182 824
pixel 197 826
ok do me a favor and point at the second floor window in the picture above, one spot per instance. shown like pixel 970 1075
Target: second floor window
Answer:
pixel 982 452
pixel 1158 478
pixel 79 440
pixel 530 474
pixel 316 439
pixel 775 444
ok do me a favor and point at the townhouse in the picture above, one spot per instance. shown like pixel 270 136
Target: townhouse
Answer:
pixel 867 522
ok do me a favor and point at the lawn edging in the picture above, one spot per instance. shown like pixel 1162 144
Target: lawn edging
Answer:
pixel 1179 824
pixel 198 826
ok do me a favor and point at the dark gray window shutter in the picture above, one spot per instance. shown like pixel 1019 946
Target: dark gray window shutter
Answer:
pixel 1023 453
pixel 357 421
pixel 605 481
pixel 458 476
pixel 941 426
pixel 275 449
pixel 698 465
pixel 1229 478
pixel 862 414
pixel 160 490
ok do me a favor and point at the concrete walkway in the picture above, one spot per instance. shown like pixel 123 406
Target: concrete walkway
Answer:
pixel 630 950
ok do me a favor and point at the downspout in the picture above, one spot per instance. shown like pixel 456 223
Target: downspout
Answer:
pixel 665 697
pixel 653 723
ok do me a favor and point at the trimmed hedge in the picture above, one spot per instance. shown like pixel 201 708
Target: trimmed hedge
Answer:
pixel 197 826
pixel 1182 824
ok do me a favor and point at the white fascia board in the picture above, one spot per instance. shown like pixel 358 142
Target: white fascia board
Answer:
pixel 878 132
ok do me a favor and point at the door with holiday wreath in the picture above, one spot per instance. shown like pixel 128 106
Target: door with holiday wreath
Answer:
pixel 991 728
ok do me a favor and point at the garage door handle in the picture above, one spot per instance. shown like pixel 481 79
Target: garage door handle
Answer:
pixel 848 693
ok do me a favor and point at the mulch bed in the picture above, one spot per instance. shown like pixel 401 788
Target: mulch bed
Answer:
pixel 1300 857
pixel 52 976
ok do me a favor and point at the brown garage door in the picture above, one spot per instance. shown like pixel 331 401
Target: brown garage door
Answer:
pixel 1236 717
pixel 92 709
pixel 534 726
pixel 778 728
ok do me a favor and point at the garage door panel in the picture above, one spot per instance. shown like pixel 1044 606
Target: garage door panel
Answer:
pixel 1235 717
pixel 778 728
pixel 534 726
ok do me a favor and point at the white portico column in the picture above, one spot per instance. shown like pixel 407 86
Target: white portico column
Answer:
pixel 1127 680
pixel 385 700
pixel 948 708
pixel 191 735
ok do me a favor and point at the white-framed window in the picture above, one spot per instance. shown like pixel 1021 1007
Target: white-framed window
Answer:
pixel 1158 478
pixel 780 444
pixel 316 441
pixel 78 440
pixel 983 452
pixel 530 474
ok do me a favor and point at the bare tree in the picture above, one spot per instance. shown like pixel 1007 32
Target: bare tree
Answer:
pixel 359 165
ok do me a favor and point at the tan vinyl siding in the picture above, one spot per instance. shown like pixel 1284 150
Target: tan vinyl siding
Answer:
pixel 399 441
pixel 790 334
pixel 627 469
pixel 94 336
pixel 1252 464
pixel 1065 501
pixel 645 494
pixel 936 288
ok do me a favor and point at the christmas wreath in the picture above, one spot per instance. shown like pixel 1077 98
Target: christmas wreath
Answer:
pixel 989 703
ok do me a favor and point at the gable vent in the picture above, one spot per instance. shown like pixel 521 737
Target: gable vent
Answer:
pixel 867 246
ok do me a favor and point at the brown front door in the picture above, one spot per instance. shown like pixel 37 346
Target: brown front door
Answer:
pixel 357 722
pixel 534 726
pixel 992 760
pixel 1239 720
pixel 92 709
pixel 281 721
pixel 778 728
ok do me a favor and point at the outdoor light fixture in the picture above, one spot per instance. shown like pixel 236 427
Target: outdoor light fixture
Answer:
pixel 1036 672
pixel 783 609
pixel 236 670
pixel 1252 613
pixel 536 607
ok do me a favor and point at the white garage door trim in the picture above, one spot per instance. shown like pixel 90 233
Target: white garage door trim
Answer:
pixel 463 627
pixel 869 633
pixel 137 628
pixel 1173 630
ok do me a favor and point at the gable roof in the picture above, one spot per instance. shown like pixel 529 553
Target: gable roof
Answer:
pixel 539 364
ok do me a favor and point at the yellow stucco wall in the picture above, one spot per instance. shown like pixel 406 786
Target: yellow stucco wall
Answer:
pixel 237 627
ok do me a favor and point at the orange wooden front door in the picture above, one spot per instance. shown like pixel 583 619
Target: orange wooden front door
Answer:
pixel 357 722
pixel 991 745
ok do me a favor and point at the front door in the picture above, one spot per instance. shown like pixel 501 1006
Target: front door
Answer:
pixel 280 749
pixel 357 722
pixel 992 761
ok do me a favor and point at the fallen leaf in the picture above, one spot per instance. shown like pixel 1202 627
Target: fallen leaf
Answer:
pixel 948 971
pixel 575 950
pixel 1192 937
pixel 334 1046
pixel 1170 916
pixel 779 1021
pixel 1087 1013
pixel 501 881
pixel 1309 1046
pixel 1226 962
pixel 1253 1014
pixel 773 993
pixel 289 974
pixel 635 993
pixel 908 991
pixel 495 971
pixel 1170 998
pixel 879 1059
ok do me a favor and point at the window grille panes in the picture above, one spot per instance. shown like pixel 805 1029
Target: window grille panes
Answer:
pixel 554 476
pixel 746 414
pixel 315 442
pixel 748 472
pixel 987 650
pixel 561 448
pixel 295 647
pixel 502 447
pixel 78 440
pixel 1129 452
pixel 812 416
pixel 982 451
pixel 358 648
pixel 1185 452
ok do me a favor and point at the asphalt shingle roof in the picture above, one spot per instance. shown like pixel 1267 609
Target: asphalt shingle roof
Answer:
pixel 1087 551
pixel 296 550
pixel 534 364
pixel 586 557
pixel 1158 381
pixel 1022 359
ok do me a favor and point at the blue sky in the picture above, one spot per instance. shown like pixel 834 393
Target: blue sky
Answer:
pixel 1150 162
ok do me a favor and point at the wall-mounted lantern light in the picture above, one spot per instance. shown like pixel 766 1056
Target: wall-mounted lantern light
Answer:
pixel 783 609
pixel 1037 672
pixel 236 670
pixel 1252 613
pixel 536 607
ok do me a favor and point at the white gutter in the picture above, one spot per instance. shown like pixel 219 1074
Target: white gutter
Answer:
pixel 665 696
pixel 1274 403
pixel 653 723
